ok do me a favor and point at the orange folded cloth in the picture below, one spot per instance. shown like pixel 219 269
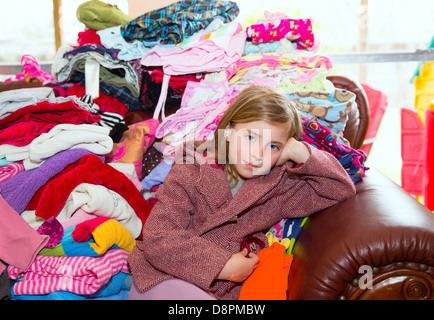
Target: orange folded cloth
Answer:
pixel 269 280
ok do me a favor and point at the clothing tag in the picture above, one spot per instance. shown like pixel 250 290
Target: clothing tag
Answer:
pixel 252 246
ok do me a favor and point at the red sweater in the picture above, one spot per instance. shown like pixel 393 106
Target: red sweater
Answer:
pixel 188 234
pixel 22 126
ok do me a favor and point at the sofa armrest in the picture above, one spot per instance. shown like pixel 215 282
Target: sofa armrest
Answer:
pixel 377 245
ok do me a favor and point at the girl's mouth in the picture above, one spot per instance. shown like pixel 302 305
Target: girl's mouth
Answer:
pixel 252 166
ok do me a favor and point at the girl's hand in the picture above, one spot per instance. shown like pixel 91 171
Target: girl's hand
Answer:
pixel 293 150
pixel 239 266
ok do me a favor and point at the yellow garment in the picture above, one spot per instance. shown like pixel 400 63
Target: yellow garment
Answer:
pixel 109 233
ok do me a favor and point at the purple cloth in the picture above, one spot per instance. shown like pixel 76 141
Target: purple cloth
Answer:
pixel 170 289
pixel 54 230
pixel 19 242
pixel 20 189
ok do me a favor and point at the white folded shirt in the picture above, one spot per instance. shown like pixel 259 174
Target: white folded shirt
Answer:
pixel 64 136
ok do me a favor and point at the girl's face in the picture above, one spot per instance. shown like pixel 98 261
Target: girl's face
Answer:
pixel 255 147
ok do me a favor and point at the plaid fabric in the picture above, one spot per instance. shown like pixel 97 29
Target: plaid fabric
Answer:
pixel 123 94
pixel 179 20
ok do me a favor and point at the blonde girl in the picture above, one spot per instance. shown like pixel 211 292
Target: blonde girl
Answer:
pixel 196 239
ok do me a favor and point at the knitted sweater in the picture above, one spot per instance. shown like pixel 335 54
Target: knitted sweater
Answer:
pixel 191 233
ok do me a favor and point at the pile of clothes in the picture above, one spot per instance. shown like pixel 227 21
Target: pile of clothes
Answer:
pixel 83 150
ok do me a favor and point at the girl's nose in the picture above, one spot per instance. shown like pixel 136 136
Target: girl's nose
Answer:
pixel 258 151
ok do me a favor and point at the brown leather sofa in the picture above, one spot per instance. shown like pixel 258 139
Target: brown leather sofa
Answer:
pixel 377 245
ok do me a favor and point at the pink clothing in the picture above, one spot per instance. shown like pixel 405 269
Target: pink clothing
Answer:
pixel 78 217
pixel 207 55
pixel 297 30
pixel 214 52
pixel 80 274
pixel 31 69
pixel 276 60
pixel 202 102
pixel 19 243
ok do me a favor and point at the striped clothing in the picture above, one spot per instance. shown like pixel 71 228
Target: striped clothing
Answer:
pixel 81 275
pixel 9 170
pixel 110 119
pixel 179 20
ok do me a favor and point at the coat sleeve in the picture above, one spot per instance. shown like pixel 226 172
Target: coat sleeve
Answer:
pixel 315 185
pixel 169 244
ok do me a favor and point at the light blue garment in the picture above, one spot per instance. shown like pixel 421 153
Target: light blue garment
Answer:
pixel 4 162
pixel 253 48
pixel 336 110
pixel 112 38
pixel 157 175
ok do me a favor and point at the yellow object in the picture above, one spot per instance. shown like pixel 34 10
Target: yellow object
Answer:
pixel 424 89
pixel 272 239
pixel 109 233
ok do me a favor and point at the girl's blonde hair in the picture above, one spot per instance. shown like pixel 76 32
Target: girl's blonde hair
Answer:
pixel 255 103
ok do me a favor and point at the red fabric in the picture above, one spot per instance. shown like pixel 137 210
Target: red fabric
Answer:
pixel 269 280
pixel 177 83
pixel 151 202
pixel 50 198
pixel 84 230
pixel 88 36
pixel 105 102
pixel 27 123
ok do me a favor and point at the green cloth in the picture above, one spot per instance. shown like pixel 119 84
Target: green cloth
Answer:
pixel 98 15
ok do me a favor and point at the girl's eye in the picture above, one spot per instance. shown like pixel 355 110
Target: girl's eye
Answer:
pixel 274 147
pixel 250 137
